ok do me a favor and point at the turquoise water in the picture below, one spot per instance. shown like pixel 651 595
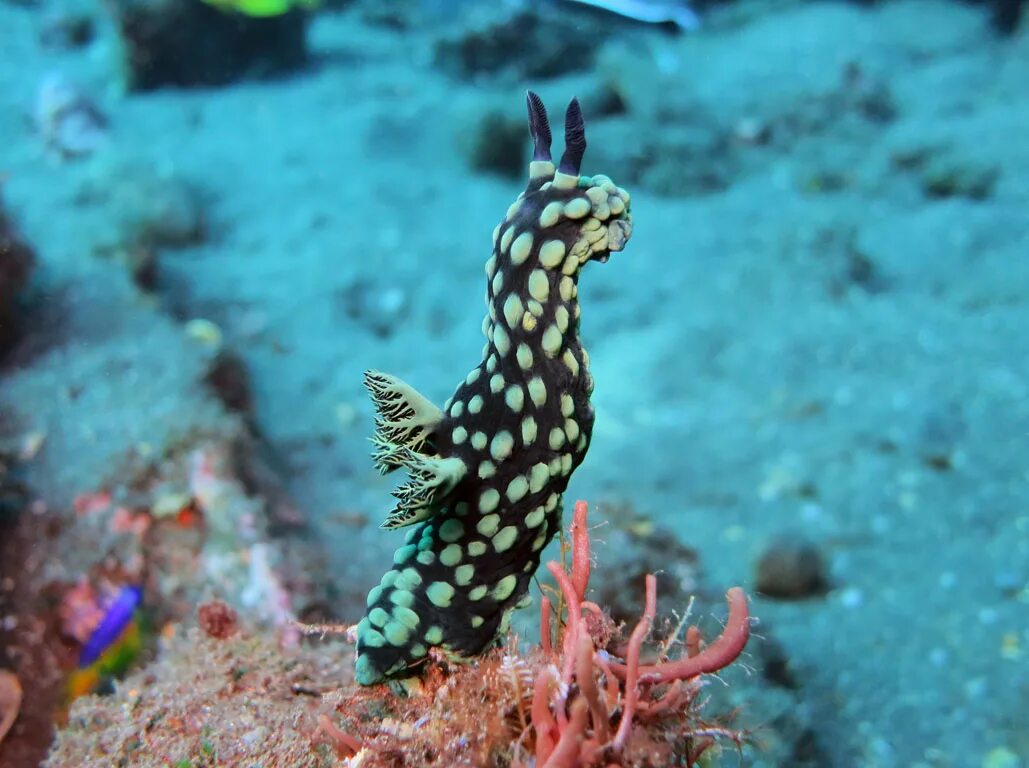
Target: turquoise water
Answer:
pixel 817 334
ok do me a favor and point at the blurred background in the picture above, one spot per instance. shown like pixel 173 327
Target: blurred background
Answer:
pixel 811 359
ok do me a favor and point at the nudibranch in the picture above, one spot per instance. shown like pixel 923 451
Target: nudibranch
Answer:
pixel 487 472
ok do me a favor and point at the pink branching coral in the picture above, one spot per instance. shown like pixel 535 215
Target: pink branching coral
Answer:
pixel 579 697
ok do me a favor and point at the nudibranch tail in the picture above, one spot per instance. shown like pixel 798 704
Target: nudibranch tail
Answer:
pixel 488 471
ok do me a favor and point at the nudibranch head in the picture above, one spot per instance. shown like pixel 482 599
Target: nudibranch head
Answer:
pixel 563 219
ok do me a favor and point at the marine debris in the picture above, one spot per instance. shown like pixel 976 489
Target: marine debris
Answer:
pixel 188 44
pixel 69 122
pixel 10 701
pixel 488 470
pixel 677 14
pixel 17 260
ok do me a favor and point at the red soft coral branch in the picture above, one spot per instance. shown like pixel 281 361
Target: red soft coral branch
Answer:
pixel 720 654
pixel 632 663
pixel 579 734
pixel 580 550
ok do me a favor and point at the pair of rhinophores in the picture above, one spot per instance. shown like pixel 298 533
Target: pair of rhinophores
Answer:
pixel 488 470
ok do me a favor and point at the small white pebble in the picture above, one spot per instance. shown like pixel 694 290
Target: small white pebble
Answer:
pixel 851 598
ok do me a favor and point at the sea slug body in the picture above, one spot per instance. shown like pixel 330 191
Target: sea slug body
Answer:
pixel 487 472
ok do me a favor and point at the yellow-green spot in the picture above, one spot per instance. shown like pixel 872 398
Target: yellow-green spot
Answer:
pixel 372 638
pixel 488 500
pixel 451 555
pixel 501 445
pixel 571 362
pixel 535 517
pixel 404 554
pixel 402 597
pixel 524 356
pixel 451 530
pixel 505 587
pixel 434 635
pixel 538 476
pixel 472 376
pixel 477 593
pixel 501 340
pixel 577 208
pixel 550 215
pixel 487 469
pixel 537 391
pixel 561 318
pixel 477 548
pixel 528 430
pixel 426 557
pixel 479 440
pixel 515 397
pixel 571 429
pixel 463 574
pixel 408 579
pixel 552 501
pixel 378 616
pixel 552 252
pixel 506 238
pixel 440 594
pixel 552 339
pixel 539 285
pixel 521 248
pixel 477 621
pixel 513 310
pixel 557 438
pixel 456 409
pixel 396 633
pixel 373 596
pixel 505 538
pixel 572 262
pixel 406 616
pixel 459 435
pixel 488 524
pixel 496 383
pixel 517 489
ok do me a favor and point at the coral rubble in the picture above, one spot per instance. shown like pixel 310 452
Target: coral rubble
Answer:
pixel 222 695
